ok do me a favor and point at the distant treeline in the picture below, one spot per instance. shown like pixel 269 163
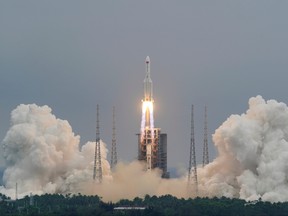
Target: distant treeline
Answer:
pixel 70 205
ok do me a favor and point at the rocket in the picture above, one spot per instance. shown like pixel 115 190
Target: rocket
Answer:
pixel 147 82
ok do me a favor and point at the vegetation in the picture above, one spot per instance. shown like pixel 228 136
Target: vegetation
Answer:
pixel 70 205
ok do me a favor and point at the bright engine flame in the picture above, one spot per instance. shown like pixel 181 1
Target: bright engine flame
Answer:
pixel 147 107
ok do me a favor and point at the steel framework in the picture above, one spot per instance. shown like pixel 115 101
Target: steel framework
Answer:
pixel 205 146
pixel 97 171
pixel 114 149
pixel 192 170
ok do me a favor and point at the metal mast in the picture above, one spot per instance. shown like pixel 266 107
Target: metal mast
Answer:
pixel 192 170
pixel 113 151
pixel 97 172
pixel 205 146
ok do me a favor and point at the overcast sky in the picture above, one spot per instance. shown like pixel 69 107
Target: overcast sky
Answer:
pixel 71 55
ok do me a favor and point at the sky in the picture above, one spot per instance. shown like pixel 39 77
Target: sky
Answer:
pixel 72 55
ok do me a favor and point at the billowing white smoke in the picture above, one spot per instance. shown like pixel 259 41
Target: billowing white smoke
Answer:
pixel 42 153
pixel 43 156
pixel 253 154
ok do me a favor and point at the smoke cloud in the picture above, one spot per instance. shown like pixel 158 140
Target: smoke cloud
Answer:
pixel 43 155
pixel 253 154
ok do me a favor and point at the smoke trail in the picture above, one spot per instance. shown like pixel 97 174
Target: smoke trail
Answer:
pixel 42 153
pixel 130 180
pixel 253 154
pixel 151 115
pixel 151 120
pixel 143 120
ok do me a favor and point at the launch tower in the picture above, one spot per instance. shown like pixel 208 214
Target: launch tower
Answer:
pixel 192 170
pixel 97 171
pixel 113 150
pixel 152 144
pixel 205 146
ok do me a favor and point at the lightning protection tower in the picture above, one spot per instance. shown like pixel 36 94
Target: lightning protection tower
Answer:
pixel 205 146
pixel 114 150
pixel 192 170
pixel 97 171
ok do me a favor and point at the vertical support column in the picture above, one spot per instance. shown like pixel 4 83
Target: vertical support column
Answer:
pixel 97 171
pixel 192 170
pixel 205 146
pixel 113 150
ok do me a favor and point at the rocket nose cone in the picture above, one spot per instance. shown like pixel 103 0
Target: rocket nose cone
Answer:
pixel 147 59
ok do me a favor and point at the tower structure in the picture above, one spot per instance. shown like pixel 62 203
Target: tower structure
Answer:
pixel 97 171
pixel 205 146
pixel 152 144
pixel 192 170
pixel 113 150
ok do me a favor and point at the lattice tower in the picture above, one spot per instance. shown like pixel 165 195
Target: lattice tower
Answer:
pixel 114 149
pixel 192 170
pixel 97 171
pixel 205 146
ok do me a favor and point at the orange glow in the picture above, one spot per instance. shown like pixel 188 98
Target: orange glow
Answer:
pixel 147 117
pixel 147 104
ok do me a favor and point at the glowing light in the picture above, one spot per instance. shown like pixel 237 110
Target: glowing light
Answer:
pixel 147 108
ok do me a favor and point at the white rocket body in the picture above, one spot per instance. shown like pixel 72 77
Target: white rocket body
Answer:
pixel 148 82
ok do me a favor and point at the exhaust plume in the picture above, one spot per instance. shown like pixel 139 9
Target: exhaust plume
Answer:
pixel 43 156
pixel 253 154
pixel 42 153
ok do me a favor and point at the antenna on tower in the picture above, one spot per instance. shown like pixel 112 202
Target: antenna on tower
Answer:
pixel 114 151
pixel 192 170
pixel 97 171
pixel 205 146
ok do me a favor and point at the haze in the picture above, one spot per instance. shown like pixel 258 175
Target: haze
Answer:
pixel 72 55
